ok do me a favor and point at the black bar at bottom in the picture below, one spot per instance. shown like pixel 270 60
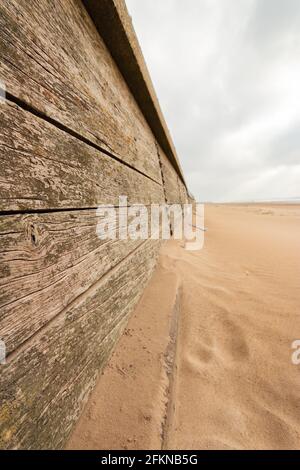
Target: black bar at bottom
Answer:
pixel 134 459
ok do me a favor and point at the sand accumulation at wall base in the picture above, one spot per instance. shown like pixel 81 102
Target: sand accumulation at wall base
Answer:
pixel 231 383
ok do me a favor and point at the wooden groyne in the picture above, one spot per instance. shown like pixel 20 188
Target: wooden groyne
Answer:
pixel 80 126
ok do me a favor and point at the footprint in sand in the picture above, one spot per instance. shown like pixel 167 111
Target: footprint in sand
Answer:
pixel 198 358
pixel 227 343
pixel 204 354
pixel 231 343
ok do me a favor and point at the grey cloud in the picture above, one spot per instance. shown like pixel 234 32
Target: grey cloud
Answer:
pixel 227 76
pixel 273 21
pixel 284 148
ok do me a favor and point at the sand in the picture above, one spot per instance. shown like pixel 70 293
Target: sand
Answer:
pixel 222 378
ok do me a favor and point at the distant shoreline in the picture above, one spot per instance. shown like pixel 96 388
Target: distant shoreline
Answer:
pixel 273 202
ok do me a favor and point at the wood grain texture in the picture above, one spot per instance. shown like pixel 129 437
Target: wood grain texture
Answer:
pixel 182 192
pixel 171 180
pixel 43 167
pixel 53 59
pixel 43 388
pixel 115 27
pixel 72 137
pixel 46 262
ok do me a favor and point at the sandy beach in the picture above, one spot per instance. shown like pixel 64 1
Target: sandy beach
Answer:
pixel 205 361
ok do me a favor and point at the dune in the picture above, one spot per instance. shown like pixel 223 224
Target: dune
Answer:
pixel 206 359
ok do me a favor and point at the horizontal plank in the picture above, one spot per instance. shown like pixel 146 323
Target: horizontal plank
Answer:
pixel 171 180
pixel 43 167
pixel 43 388
pixel 115 26
pixel 53 59
pixel 182 192
pixel 47 261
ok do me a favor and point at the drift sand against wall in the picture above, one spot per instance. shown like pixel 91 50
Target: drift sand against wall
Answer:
pixel 233 385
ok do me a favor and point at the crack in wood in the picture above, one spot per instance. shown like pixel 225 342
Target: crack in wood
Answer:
pixel 75 302
pixel 39 114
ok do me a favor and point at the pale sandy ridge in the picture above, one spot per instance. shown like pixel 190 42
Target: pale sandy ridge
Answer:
pixel 235 386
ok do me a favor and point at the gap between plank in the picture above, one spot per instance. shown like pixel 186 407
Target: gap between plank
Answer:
pixel 41 115
pixel 66 209
pixel 77 301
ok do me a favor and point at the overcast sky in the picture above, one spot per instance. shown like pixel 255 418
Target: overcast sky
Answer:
pixel 227 75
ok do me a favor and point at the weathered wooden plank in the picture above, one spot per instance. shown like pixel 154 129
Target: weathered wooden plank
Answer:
pixel 53 59
pixel 115 27
pixel 47 261
pixel 42 389
pixel 43 167
pixel 170 179
pixel 182 192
